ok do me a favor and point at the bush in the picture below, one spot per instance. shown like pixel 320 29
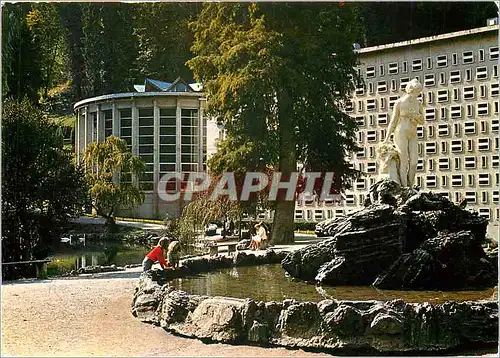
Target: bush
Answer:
pixel 305 225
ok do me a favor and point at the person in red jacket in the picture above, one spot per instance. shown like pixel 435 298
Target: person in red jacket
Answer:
pixel 156 255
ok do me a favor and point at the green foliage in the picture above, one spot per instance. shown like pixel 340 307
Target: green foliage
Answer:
pixel 277 75
pixel 305 225
pixel 41 187
pixel 103 160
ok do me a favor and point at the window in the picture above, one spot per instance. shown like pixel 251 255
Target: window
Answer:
pixel 392 100
pixel 442 78
pixel 444 180
pixel 468 75
pixel 420 164
pixel 442 95
pixel 484 197
pixel 467 57
pixel 482 73
pixel 405 67
pixel 470 145
pixel 430 114
pixel 416 65
pixel 444 147
pixel 457 163
pixel 361 136
pixel 126 126
pixel 483 179
pixel 442 61
pixel 360 90
pixel 393 68
pixel 430 131
pixel 483 109
pixel 349 199
pixel 444 163
pixel 494 53
pixel 483 144
pixel 443 130
pixel 443 113
pixel 429 63
pixel 382 134
pixel 371 104
pixel 371 167
pixel 457 180
pixel 430 181
pixel 383 102
pixel 108 123
pixel 403 82
pixel 470 196
pixel 372 152
pixel 370 72
pixel 381 70
pixel 457 146
pixel 419 148
pixel 394 85
pixel 470 162
pixel 484 162
pixel 381 86
pixel 456 111
pixel 420 132
pixel 481 55
pixel 456 128
pixel 361 184
pixel 361 153
pixel 371 120
pixel 430 148
pixel 429 80
pixel 430 164
pixel 370 88
pixel 458 196
pixel 484 126
pixel 454 59
pixel 495 107
pixel 485 212
pixel 360 120
pixel 496 143
pixel 349 106
pixel 470 110
pixel 494 89
pixel 430 97
pixel 494 125
pixel 146 150
pixel 456 94
pixel 382 119
pixel 360 106
pixel 455 76
pixel 495 196
pixel 371 136
pixel 482 91
pixel 495 71
pixel 469 92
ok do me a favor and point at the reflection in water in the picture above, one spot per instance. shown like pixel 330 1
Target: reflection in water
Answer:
pixel 120 256
pixel 269 283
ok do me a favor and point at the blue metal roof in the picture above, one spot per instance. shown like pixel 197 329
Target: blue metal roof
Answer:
pixel 161 85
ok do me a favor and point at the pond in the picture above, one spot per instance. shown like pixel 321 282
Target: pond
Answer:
pixel 63 262
pixel 269 283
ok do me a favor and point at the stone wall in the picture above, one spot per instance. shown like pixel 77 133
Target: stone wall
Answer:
pixel 365 327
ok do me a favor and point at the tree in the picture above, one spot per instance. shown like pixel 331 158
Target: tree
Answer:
pixel 277 75
pixel 103 161
pixel 41 186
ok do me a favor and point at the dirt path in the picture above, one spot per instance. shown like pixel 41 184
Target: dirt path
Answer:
pixel 91 317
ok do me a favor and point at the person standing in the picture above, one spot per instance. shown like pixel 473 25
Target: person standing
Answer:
pixel 156 255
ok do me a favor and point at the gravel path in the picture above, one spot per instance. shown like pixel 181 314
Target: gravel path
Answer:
pixel 91 317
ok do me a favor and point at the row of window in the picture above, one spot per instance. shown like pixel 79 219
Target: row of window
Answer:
pixel 458 180
pixel 323 214
pixel 429 80
pixel 439 61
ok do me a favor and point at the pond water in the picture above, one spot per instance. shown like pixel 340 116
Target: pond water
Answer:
pixel 64 262
pixel 269 283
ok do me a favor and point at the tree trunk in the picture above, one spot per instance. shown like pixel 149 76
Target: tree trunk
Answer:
pixel 283 223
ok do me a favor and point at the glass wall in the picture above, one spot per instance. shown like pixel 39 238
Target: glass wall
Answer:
pixel 146 147
pixel 126 135
pixel 189 140
pixel 168 142
pixel 108 123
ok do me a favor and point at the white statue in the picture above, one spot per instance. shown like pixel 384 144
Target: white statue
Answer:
pixel 389 161
pixel 408 113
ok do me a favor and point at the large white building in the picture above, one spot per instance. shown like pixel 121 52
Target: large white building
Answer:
pixel 459 143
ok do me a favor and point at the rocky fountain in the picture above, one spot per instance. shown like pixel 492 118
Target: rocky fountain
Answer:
pixel 402 240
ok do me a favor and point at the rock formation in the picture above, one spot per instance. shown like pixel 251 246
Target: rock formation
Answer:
pixel 353 327
pixel 402 239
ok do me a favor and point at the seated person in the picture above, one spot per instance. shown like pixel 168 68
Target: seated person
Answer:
pixel 156 255
pixel 260 238
pixel 173 254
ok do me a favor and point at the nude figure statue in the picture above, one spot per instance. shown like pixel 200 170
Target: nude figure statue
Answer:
pixel 408 113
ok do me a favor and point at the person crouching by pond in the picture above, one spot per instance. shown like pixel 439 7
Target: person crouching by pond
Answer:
pixel 156 255
pixel 173 254
pixel 260 238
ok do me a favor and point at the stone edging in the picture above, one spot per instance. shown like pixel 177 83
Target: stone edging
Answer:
pixel 329 325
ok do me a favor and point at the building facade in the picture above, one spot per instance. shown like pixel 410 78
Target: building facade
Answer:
pixel 163 123
pixel 458 144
